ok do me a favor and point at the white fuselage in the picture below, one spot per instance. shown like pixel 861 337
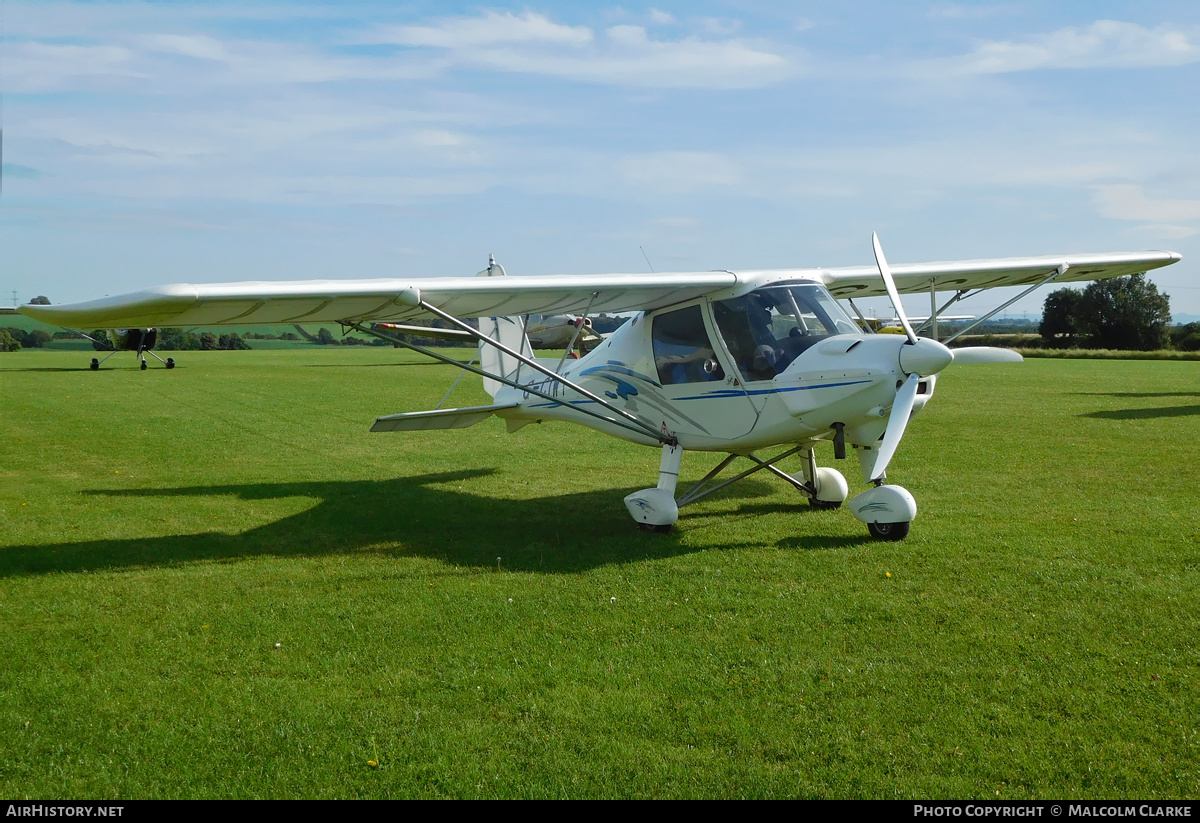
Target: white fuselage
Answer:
pixel 693 382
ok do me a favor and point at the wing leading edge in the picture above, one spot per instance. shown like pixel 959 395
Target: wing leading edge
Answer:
pixel 368 301
pixel 377 301
pixel 864 281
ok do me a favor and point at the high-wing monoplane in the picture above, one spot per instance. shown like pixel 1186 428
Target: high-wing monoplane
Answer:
pixel 721 361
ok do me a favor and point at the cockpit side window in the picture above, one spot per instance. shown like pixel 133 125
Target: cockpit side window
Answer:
pixel 683 352
pixel 769 328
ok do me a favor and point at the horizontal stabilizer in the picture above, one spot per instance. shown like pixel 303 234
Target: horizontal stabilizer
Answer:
pixel 427 331
pixel 437 419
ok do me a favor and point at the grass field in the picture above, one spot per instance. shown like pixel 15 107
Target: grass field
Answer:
pixel 215 582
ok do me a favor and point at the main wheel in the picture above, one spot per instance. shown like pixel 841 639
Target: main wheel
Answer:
pixel 888 531
pixel 143 365
pixel 824 505
pixel 170 362
pixel 650 527
pixel 95 366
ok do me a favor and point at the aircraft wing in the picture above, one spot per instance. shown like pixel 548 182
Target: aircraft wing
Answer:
pixel 371 301
pixel 864 281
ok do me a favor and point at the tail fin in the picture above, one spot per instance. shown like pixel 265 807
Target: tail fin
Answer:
pixel 509 331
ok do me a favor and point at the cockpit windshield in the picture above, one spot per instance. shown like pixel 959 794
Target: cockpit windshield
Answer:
pixel 767 329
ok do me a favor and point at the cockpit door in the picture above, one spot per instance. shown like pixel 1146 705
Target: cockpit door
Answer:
pixel 696 377
pixel 768 329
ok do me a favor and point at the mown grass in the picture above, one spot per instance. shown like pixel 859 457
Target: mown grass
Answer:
pixel 476 611
pixel 1109 354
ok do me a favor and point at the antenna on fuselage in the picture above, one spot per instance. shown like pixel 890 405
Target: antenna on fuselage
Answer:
pixel 648 263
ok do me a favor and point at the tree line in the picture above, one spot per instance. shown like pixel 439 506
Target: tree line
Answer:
pixel 1126 313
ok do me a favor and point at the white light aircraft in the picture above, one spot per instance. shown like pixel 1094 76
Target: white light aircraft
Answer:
pixel 720 361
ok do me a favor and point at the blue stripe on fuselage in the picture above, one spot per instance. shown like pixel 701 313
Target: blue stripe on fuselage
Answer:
pixel 723 393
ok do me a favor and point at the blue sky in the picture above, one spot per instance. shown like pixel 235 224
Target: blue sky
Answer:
pixel 157 143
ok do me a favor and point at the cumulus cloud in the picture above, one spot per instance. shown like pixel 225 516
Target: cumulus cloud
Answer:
pixel 1103 44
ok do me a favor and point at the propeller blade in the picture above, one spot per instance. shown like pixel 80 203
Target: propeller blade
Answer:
pixel 986 354
pixel 886 273
pixel 897 421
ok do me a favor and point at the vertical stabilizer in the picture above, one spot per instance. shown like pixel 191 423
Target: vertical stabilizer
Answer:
pixel 508 330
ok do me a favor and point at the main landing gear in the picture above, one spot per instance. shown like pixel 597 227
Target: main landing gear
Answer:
pixel 169 362
pixel 886 510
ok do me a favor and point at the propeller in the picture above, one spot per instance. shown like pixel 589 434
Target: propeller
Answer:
pixel 897 421
pixel 918 357
pixel 886 274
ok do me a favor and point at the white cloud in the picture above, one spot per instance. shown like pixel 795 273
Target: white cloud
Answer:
pixel 680 171
pixel 36 67
pixel 625 55
pixel 1103 44
pixel 954 11
pixel 1167 232
pixel 1129 202
pixel 720 26
pixel 198 46
pixel 662 18
pixel 488 30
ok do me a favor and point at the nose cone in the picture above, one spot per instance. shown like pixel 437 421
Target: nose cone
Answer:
pixel 925 357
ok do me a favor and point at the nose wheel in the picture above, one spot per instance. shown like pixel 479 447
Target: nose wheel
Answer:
pixel 888 531
pixel 887 510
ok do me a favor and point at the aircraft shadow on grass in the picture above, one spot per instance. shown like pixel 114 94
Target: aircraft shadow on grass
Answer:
pixel 1143 413
pixel 421 517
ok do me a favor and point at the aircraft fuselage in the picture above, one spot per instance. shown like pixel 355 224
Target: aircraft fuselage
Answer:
pixel 737 372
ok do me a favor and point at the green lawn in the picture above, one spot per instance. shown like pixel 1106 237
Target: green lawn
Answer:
pixel 215 582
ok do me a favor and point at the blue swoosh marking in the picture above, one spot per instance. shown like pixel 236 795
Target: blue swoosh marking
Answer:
pixel 724 393
pixel 621 368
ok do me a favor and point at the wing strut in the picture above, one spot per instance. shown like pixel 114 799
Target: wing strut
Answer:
pixel 536 366
pixel 932 319
pixel 467 367
pixel 1059 272
pixel 867 327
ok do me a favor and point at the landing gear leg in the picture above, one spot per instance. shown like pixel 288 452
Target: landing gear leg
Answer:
pixel 655 509
pixel 169 362
pixel 95 364
pixel 831 487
